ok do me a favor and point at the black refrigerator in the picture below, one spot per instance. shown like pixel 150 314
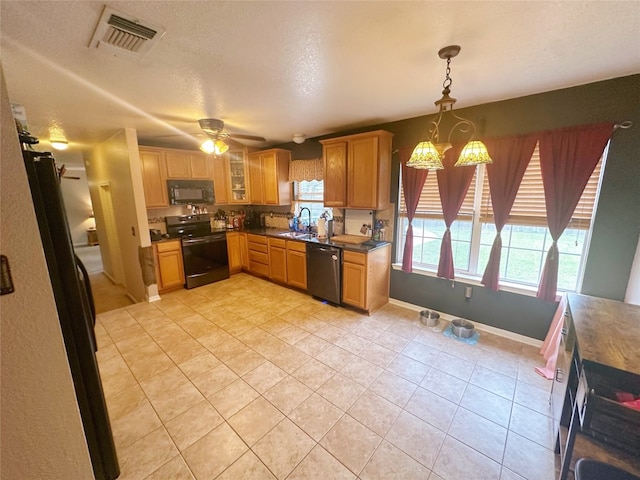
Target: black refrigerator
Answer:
pixel 74 302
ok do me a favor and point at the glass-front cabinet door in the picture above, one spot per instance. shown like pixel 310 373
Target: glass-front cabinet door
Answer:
pixel 238 186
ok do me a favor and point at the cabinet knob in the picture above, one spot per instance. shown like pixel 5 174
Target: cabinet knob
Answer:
pixel 563 331
pixel 559 375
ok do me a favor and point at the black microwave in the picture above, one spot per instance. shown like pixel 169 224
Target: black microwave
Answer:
pixel 183 192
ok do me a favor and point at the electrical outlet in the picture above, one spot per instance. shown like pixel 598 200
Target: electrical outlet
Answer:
pixel 468 292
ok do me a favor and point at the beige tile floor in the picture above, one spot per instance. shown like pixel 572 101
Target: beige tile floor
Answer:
pixel 244 379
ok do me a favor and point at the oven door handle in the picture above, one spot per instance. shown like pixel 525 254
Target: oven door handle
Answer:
pixel 209 239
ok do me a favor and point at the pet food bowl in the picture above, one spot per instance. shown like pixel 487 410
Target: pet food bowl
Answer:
pixel 429 318
pixel 462 328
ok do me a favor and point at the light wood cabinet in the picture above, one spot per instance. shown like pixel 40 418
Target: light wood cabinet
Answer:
pixel 188 165
pixel 269 177
pixel 238 176
pixel 154 178
pixel 365 278
pixel 160 164
pixel 335 174
pixel 221 180
pixel 357 170
pixel 278 260
pixel 231 178
pixel 169 265
pixel 244 251
pixel 297 264
pixel 233 252
pixel 258 250
pixel 177 164
pixel 201 166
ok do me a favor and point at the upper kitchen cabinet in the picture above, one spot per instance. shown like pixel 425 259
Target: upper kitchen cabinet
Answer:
pixel 154 178
pixel 230 178
pixel 335 174
pixel 160 164
pixel 357 170
pixel 185 164
pixel 238 176
pixel 221 180
pixel 269 177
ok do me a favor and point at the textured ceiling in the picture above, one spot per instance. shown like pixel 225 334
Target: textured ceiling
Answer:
pixel 278 68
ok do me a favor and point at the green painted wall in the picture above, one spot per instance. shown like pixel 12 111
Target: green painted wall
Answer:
pixel 617 221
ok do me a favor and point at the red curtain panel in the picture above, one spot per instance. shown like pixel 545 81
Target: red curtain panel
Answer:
pixel 511 156
pixel 568 157
pixel 412 182
pixel 453 183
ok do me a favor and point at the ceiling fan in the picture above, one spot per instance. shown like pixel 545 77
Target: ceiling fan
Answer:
pixel 215 143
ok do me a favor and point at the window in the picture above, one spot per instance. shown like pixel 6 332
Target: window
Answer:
pixel 309 194
pixel 525 238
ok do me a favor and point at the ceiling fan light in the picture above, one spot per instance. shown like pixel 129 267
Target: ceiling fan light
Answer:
pixel 220 147
pixel 473 153
pixel 425 157
pixel 60 144
pixel 208 146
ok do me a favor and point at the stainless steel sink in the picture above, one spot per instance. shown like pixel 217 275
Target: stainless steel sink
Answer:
pixel 297 235
pixel 293 234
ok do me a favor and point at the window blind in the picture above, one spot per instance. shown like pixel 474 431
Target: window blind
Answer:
pixel 529 207
pixel 306 191
pixel 429 205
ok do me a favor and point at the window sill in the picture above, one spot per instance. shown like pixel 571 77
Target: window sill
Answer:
pixel 475 281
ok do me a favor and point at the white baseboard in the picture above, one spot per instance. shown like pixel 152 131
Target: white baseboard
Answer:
pixel 109 277
pixel 154 298
pixel 480 326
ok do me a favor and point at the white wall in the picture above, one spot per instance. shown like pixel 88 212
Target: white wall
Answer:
pixel 115 162
pixel 41 431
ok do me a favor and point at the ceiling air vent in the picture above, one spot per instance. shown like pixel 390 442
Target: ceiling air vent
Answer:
pixel 119 32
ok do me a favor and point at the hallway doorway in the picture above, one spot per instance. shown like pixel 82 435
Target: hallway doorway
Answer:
pixel 106 295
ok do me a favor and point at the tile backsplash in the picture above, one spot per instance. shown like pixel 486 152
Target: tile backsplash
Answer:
pixel 355 219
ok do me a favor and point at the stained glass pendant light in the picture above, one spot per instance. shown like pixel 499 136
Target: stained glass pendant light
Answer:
pixel 428 154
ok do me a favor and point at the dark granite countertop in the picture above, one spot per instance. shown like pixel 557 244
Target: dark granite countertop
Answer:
pixel 365 247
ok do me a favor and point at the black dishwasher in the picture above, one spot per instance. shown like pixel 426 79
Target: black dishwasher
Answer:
pixel 324 266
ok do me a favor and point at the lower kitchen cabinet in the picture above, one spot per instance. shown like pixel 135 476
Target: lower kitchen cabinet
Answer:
pixel 297 264
pixel 258 254
pixel 169 265
pixel 365 278
pixel 234 252
pixel 278 260
pixel 244 251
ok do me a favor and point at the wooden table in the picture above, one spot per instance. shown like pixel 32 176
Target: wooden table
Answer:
pixel 599 357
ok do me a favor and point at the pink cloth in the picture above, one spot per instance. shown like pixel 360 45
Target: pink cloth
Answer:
pixel 551 343
pixel 635 404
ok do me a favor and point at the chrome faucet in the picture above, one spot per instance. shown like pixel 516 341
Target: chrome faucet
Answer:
pixel 300 216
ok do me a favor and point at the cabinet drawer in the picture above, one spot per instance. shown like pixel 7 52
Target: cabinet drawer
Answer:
pixel 354 257
pixel 252 237
pixel 258 247
pixel 277 242
pixel 258 257
pixel 296 246
pixel 258 268
pixel 168 246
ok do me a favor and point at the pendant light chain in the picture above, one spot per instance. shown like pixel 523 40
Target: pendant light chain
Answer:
pixel 446 85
